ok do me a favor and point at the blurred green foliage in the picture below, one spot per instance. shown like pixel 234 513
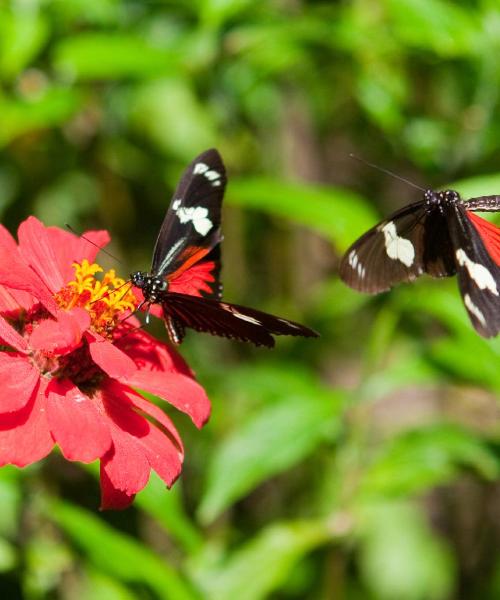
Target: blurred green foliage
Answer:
pixel 362 465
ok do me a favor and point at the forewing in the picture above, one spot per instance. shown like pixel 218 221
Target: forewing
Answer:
pixel 389 253
pixel 191 227
pixel 478 274
pixel 229 320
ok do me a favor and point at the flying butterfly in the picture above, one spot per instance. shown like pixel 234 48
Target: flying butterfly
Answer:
pixel 439 235
pixel 185 271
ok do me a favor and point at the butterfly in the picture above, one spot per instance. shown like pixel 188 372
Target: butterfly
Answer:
pixel 185 272
pixel 439 235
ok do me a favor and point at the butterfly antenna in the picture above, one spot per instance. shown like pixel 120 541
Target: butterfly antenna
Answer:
pixel 93 243
pixel 387 172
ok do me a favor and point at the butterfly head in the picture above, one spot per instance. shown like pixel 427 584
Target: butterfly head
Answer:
pixel 438 200
pixel 152 287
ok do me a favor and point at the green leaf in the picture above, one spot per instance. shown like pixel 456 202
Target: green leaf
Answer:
pixel 283 433
pixel 166 507
pixel 264 563
pixel 155 112
pixel 97 586
pixel 118 555
pixel 338 214
pixel 22 35
pixel 54 107
pixel 421 459
pixel 400 557
pixel 444 28
pixel 112 56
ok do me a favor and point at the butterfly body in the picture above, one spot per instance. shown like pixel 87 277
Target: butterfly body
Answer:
pixel 437 236
pixel 185 271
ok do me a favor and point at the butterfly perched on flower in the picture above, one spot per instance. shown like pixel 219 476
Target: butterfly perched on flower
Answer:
pixel 439 235
pixel 185 271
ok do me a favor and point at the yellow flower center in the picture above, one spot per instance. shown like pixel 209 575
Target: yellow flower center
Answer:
pixel 106 299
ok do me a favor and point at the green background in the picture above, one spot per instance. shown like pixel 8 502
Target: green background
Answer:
pixel 363 465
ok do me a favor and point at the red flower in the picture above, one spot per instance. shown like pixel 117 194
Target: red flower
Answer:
pixel 69 365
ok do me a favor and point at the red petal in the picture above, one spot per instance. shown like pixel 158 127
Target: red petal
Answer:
pixel 158 448
pixel 111 359
pixel 69 248
pixel 111 497
pixel 18 378
pixel 12 300
pixel 137 401
pixel 15 273
pixel 182 392
pixel 37 251
pixel 81 431
pixel 125 466
pixel 24 435
pixel 490 234
pixel 10 337
pixel 150 354
pixel 62 335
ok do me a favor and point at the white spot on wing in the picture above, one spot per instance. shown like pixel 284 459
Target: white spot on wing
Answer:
pixel 198 215
pixel 211 174
pixel 473 309
pixel 355 264
pixel 478 273
pixel 397 248
pixel 237 314
pixel 176 203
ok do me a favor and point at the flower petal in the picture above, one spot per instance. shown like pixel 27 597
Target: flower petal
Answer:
pixel 15 273
pixel 150 354
pixel 160 451
pixel 124 470
pixel 10 337
pixel 62 335
pixel 111 359
pixel 13 300
pixel 69 248
pixel 182 392
pixel 24 435
pixel 81 431
pixel 36 249
pixel 112 497
pixel 18 378
pixel 136 400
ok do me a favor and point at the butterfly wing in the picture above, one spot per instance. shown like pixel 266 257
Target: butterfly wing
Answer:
pixel 410 242
pixel 191 228
pixel 490 234
pixel 226 320
pixel 478 274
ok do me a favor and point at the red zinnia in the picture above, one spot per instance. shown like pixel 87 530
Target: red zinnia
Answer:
pixel 69 364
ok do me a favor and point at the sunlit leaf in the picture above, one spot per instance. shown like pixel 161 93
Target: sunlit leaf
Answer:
pixel 118 555
pixel 400 557
pixel 338 214
pixel 264 563
pixel 418 460
pixel 275 439
pixel 53 108
pixel 22 35
pixel 111 56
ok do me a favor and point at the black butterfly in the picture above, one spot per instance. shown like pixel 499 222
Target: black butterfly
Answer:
pixel 440 236
pixel 184 276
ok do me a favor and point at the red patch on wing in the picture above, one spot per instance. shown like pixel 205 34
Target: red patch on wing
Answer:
pixel 490 234
pixel 195 280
